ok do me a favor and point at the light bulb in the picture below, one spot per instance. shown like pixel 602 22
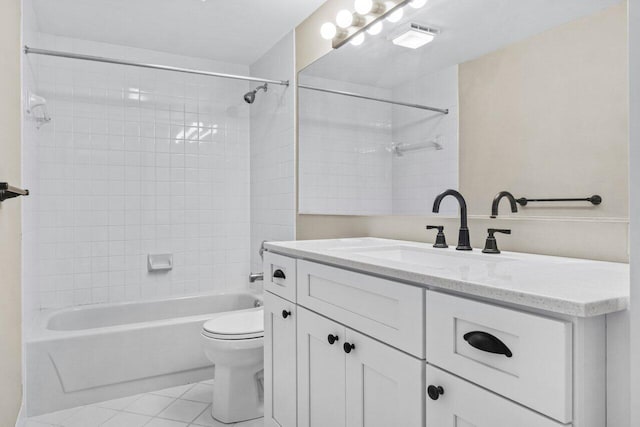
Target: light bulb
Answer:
pixel 417 4
pixel 363 6
pixel 395 16
pixel 375 28
pixel 358 39
pixel 328 31
pixel 344 18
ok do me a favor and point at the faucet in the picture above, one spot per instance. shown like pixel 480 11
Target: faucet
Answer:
pixel 496 201
pixel 255 276
pixel 464 243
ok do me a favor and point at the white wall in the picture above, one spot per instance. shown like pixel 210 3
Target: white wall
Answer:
pixel 419 176
pixel 134 162
pixel 273 200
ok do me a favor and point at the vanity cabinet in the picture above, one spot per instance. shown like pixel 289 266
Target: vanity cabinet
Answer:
pixel 454 402
pixel 359 350
pixel 279 361
pixel 348 379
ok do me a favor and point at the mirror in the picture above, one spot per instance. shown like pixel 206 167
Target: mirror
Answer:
pixel 384 128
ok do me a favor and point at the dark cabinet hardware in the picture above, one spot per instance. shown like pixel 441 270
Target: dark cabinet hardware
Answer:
pixel 594 200
pixel 9 192
pixel 286 313
pixel 435 392
pixel 332 338
pixel 348 347
pixel 487 342
pixel 491 245
pixel 464 242
pixel 496 202
pixel 441 241
pixel 279 274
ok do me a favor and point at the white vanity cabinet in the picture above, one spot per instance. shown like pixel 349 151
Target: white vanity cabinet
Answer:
pixel 279 361
pixel 348 379
pixel 361 349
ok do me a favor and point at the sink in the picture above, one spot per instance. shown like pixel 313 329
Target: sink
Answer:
pixel 431 258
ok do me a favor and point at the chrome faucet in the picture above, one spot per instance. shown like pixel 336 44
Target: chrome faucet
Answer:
pixel 255 276
pixel 464 242
pixel 496 202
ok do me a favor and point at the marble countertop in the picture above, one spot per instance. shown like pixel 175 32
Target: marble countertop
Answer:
pixel 570 286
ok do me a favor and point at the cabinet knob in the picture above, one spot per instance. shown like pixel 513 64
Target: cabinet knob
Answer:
pixel 332 338
pixel 286 313
pixel 435 392
pixel 279 274
pixel 348 347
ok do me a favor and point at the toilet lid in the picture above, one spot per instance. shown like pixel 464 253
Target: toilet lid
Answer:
pixel 236 325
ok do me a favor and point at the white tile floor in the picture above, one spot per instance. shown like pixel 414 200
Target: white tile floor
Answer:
pixel 182 406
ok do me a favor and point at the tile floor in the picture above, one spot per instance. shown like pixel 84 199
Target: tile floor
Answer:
pixel 182 406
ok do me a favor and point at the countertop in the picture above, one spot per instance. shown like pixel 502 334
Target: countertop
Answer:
pixel 575 287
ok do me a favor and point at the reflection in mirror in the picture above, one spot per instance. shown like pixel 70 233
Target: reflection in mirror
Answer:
pixel 365 155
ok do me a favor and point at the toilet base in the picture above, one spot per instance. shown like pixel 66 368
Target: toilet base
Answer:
pixel 238 393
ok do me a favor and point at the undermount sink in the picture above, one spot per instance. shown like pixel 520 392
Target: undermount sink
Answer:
pixel 432 258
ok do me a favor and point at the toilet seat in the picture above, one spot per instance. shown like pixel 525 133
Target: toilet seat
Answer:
pixel 242 325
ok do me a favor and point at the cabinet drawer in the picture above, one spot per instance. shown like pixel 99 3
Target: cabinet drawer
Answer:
pixel 280 275
pixel 463 404
pixel 533 363
pixel 389 311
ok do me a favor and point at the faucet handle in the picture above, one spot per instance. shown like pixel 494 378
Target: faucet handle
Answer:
pixel 491 231
pixel 491 245
pixel 441 241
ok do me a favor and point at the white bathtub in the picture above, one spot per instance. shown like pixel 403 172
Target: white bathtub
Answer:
pixel 98 352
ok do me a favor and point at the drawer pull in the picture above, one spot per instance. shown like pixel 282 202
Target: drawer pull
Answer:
pixel 487 342
pixel 286 313
pixel 435 392
pixel 347 347
pixel 332 338
pixel 279 274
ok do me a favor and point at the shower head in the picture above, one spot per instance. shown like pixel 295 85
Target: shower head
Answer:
pixel 250 96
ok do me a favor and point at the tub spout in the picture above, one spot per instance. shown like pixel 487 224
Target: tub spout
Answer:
pixel 255 276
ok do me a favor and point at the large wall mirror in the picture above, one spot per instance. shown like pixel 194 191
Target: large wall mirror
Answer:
pixel 525 96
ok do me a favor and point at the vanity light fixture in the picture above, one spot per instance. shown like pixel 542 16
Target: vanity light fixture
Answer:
pixel 414 36
pixel 346 19
pixel 365 7
pixel 328 30
pixel 351 26
pixel 397 13
pixel 417 4
pixel 375 29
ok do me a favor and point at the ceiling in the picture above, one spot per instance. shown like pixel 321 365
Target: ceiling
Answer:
pixel 469 29
pixel 237 31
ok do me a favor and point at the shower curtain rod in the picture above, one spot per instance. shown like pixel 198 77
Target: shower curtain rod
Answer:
pixel 30 50
pixel 388 101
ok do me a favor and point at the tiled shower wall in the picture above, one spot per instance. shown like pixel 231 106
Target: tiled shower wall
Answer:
pixel 420 175
pixel 135 162
pixel 273 191
pixel 345 162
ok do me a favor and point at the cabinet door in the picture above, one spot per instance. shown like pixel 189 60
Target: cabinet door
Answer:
pixel 279 362
pixel 321 371
pixel 385 387
pixel 458 403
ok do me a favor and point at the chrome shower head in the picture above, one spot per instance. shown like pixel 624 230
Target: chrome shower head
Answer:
pixel 250 96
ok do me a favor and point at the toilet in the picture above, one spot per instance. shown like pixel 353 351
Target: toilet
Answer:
pixel 234 342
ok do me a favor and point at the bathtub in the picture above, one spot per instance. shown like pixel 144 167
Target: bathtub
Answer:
pixel 92 353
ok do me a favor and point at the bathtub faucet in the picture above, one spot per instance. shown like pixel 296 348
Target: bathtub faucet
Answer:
pixel 255 276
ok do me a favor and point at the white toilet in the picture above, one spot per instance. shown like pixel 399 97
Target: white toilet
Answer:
pixel 234 343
